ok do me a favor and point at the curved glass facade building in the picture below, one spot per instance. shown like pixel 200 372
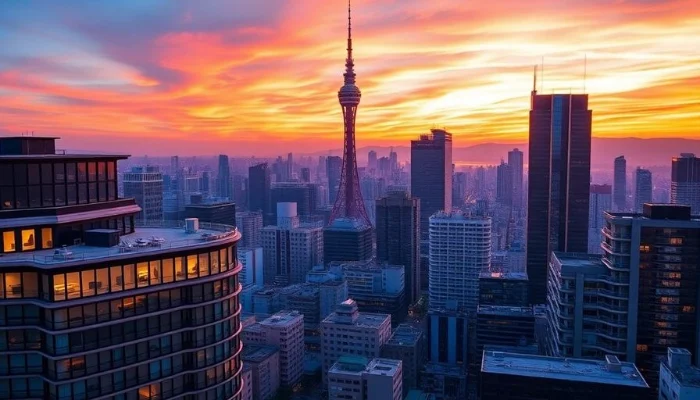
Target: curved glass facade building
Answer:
pixel 93 307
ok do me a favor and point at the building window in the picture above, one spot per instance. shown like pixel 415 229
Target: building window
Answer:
pixel 645 248
pixel 676 241
pixel 8 238
pixel 46 238
pixel 13 285
pixel 28 239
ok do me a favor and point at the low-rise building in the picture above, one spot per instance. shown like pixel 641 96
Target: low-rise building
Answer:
pixel 510 376
pixel 406 344
pixel 247 382
pixel 356 378
pixel 678 378
pixel 444 381
pixel 264 364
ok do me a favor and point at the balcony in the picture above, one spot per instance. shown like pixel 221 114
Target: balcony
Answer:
pixel 151 238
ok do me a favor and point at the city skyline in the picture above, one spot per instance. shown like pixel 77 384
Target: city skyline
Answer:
pixel 201 77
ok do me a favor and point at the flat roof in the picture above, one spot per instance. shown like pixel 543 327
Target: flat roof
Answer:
pixel 172 238
pixel 257 353
pixel 282 318
pixel 580 370
pixel 506 310
pixel 368 320
pixel 578 259
pixel 383 366
pixel 405 335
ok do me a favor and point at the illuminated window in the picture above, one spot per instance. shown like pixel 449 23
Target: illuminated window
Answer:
pixel 645 248
pixel 30 284
pixel 13 285
pixel 688 309
pixel 102 280
pixel 204 264
pixel 155 272
pixel 192 266
pixel 117 279
pixel 179 269
pixel 642 347
pixel 8 239
pixel 46 238
pixel 88 282
pixel 142 274
pixel 129 276
pixel 59 287
pixel 168 270
pixel 73 285
pixel 676 241
pixel 28 240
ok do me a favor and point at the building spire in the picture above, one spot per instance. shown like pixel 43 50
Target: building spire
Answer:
pixel 349 63
pixel 534 82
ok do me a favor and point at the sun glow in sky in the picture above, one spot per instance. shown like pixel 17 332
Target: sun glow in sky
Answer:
pixel 261 76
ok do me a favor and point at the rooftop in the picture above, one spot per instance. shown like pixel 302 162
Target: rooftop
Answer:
pixel 357 365
pixel 257 353
pixel 506 310
pixel 282 318
pixel 456 215
pixel 144 241
pixel 347 224
pixel 679 362
pixel 405 335
pixel 383 366
pixel 444 369
pixel 611 372
pixel 578 259
pixel 364 320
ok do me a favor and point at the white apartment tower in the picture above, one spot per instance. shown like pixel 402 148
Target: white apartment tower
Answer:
pixel 285 330
pixel 290 249
pixel 460 249
pixel 348 332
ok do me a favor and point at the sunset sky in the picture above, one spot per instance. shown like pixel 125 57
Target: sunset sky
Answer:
pixel 261 76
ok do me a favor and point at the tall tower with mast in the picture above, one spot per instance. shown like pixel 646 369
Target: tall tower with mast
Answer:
pixel 349 203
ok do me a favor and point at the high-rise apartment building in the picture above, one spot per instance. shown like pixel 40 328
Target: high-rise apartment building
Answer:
pixel 600 202
pixel 460 249
pixel 114 310
pixel 284 330
pixel 620 184
pixel 504 185
pixel 656 253
pixel 264 364
pixel 290 249
pixel 372 160
pixel 515 161
pixel 559 170
pixel 144 184
pixel 223 179
pixel 643 189
pixel 398 237
pixel 343 330
pixel 259 191
pixel 357 378
pixel 685 181
pixel 431 174
pixel 334 166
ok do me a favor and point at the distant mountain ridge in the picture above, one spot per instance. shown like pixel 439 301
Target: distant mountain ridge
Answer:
pixel 637 151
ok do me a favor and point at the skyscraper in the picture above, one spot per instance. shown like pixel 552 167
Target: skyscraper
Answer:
pixel 372 160
pixel 398 237
pixel 349 202
pixel 223 179
pixel 504 185
pixel 259 191
pixel 685 181
pixel 600 202
pixel 431 174
pixel 620 184
pixel 460 249
pixel 145 184
pixel 559 170
pixel 643 189
pixel 515 160
pixel 334 166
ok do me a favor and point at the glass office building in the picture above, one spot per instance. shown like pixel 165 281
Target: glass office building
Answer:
pixel 91 306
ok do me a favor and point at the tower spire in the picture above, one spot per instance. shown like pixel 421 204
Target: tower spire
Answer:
pixel 349 62
pixel 534 81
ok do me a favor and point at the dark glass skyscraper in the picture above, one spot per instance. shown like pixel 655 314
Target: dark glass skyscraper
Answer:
pixel 259 191
pixel 643 189
pixel 559 182
pixel 398 237
pixel 223 179
pixel 620 184
pixel 504 185
pixel 431 174
pixel 685 181
pixel 515 160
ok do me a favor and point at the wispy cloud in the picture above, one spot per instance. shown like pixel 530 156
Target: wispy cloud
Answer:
pixel 262 75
